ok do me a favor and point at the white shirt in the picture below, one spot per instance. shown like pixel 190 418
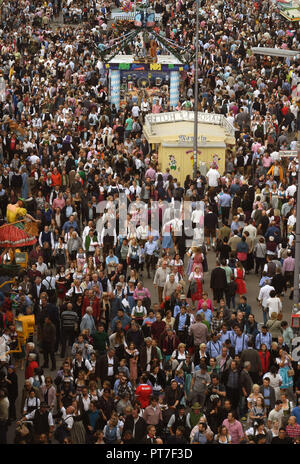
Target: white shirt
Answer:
pixel 110 371
pixel 49 282
pixel 290 191
pixel 85 401
pixel 291 220
pixel 213 175
pixel 135 111
pixel 31 415
pixel 68 418
pixel 29 402
pixel 196 215
pixel 41 267
pixel 33 159
pixel 149 351
pixel 251 229
pixel 264 294
pixel 275 156
pixel 274 305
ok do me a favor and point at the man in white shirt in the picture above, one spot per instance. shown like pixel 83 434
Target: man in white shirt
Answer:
pixel 213 176
pixel 290 191
pixel 142 233
pixel 37 417
pixel 198 213
pixel 135 111
pixel 292 220
pixel 86 230
pixel 273 303
pixel 275 156
pixel 41 266
pixel 263 297
pixel 251 229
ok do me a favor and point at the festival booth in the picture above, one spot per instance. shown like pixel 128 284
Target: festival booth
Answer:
pixel 171 135
pixel 130 76
pixel 289 9
pixel 119 14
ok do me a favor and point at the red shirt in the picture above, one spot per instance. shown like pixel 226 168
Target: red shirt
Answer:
pixel 56 179
pixel 143 393
pixel 30 369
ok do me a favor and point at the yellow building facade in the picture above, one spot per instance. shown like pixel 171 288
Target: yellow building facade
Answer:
pixel 172 136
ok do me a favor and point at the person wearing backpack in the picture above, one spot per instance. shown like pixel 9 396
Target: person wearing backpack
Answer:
pixel 66 425
pixel 136 127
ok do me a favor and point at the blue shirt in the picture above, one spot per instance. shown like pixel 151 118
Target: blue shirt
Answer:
pixel 150 247
pixel 68 224
pixel 182 321
pixel 240 343
pixel 69 211
pixel 93 416
pixel 125 320
pixel 262 281
pixel 296 413
pixel 225 200
pixel 214 349
pixel 111 259
pixel 261 338
pixel 235 188
pixel 227 336
pixel 266 395
pixel 176 310
pixel 207 314
pixel 148 320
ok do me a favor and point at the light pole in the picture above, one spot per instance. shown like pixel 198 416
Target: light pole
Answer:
pixel 195 150
pixel 297 242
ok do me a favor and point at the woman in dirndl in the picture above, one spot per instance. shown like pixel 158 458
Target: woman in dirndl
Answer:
pixel 239 276
pixel 196 289
pixel 196 259
pixel 284 361
pixel 17 232
pixel 167 239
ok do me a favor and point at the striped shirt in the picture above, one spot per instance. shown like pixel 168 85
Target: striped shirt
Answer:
pixel 68 319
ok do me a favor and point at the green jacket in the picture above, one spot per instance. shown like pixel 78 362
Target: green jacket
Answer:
pixel 100 341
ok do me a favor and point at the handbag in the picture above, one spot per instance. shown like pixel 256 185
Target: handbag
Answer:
pixel 291 372
pixel 242 256
pixel 23 430
pixel 193 286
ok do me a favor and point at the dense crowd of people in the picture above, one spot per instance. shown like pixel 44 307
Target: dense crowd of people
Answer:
pixel 129 346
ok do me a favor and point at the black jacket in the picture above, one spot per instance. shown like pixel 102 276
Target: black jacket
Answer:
pixel 99 425
pixel 187 322
pixel 140 430
pixel 12 388
pixel 218 279
pixel 173 395
pixel 102 367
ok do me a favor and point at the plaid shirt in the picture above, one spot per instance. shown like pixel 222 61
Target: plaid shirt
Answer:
pixel 216 324
pixel 293 431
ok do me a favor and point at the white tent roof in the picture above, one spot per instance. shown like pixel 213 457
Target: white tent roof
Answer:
pixel 161 59
pixel 274 51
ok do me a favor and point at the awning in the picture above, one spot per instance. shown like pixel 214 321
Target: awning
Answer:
pixel 274 52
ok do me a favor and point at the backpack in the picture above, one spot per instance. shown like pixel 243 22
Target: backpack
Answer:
pixel 271 269
pixel 62 431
